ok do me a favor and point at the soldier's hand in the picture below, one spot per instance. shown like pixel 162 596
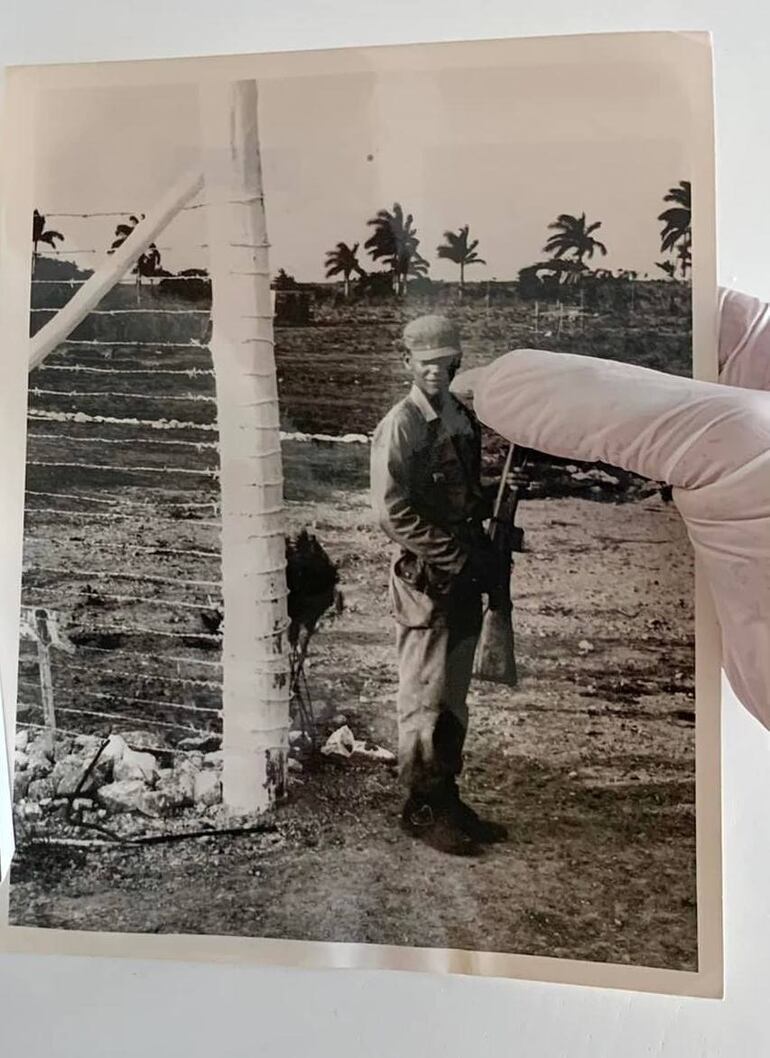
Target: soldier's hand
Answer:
pixel 518 478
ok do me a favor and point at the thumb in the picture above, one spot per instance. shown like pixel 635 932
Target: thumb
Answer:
pixel 709 440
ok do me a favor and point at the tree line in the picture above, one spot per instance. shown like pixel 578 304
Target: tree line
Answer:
pixel 395 244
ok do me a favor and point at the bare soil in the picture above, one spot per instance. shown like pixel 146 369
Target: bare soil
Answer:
pixel 589 761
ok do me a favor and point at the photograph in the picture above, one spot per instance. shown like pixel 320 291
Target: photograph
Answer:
pixel 307 653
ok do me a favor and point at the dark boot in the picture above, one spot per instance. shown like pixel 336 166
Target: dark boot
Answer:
pixel 432 821
pixel 484 831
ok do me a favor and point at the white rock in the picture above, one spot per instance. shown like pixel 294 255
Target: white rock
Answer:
pixel 586 646
pixel 41 790
pixel 38 765
pixel 340 743
pixel 144 740
pixel 22 740
pixel 213 760
pixel 20 760
pixel 42 746
pixel 62 748
pixel 294 766
pixel 114 750
pixel 67 774
pixel 208 788
pixel 135 765
pixel 126 796
pixel 370 751
pixel 178 788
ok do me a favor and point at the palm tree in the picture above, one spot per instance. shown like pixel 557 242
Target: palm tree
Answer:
pixel 148 263
pixel 457 248
pixel 668 267
pixel 41 234
pixel 677 225
pixel 343 260
pixel 573 236
pixel 395 241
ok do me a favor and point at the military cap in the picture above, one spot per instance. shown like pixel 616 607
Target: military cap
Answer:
pixel 432 336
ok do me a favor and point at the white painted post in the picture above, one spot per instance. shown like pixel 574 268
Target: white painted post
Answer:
pixel 255 698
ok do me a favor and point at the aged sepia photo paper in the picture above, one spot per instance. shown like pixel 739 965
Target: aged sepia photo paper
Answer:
pixel 302 664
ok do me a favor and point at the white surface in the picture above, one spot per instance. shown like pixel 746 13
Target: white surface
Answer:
pixel 121 1008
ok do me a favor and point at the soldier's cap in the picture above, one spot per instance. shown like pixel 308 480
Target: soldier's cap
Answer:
pixel 432 336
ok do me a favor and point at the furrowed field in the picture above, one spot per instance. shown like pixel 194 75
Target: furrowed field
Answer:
pixel 590 759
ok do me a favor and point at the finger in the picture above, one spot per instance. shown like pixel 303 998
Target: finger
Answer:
pixel 711 441
pixel 744 341
pixel 664 427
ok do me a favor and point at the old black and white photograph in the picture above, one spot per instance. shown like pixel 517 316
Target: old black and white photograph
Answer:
pixel 307 652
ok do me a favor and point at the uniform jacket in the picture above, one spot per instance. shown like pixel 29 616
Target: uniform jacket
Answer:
pixel 426 493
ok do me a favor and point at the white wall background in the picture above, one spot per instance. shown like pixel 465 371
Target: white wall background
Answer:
pixel 114 1008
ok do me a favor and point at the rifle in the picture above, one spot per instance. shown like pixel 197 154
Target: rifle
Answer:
pixel 495 659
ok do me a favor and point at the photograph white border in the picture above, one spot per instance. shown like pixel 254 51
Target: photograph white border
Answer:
pixel 693 50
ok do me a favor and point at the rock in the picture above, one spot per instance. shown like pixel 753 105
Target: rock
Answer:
pixel 20 760
pixel 294 766
pixel 87 744
pixel 204 743
pixel 370 751
pixel 125 796
pixel 30 810
pixel 144 740
pixel 22 740
pixel 296 737
pixel 135 765
pixel 179 788
pixel 213 760
pixel 62 748
pixel 585 646
pixel 340 743
pixel 155 803
pixel 67 774
pixel 340 720
pixel 207 788
pixel 41 746
pixel 38 765
pixel 41 790
pixel 114 750
pixel 20 785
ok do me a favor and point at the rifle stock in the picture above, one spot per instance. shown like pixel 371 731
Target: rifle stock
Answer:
pixel 495 659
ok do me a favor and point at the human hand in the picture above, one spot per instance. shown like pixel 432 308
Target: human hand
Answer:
pixel 710 441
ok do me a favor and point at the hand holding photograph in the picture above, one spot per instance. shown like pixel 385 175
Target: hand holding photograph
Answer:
pixel 314 666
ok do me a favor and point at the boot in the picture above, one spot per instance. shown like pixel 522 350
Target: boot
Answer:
pixel 483 831
pixel 432 821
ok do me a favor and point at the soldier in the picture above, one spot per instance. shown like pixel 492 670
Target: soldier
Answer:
pixel 428 497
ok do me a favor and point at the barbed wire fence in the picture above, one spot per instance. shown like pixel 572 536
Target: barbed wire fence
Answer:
pixel 122 549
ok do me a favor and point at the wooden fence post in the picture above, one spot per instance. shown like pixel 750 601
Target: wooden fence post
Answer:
pixel 44 665
pixel 255 689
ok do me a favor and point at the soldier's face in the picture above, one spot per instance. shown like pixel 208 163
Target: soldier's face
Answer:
pixel 432 374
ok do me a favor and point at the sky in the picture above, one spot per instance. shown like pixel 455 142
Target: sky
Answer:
pixel 502 149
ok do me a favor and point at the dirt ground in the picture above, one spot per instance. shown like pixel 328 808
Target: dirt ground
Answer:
pixel 590 761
